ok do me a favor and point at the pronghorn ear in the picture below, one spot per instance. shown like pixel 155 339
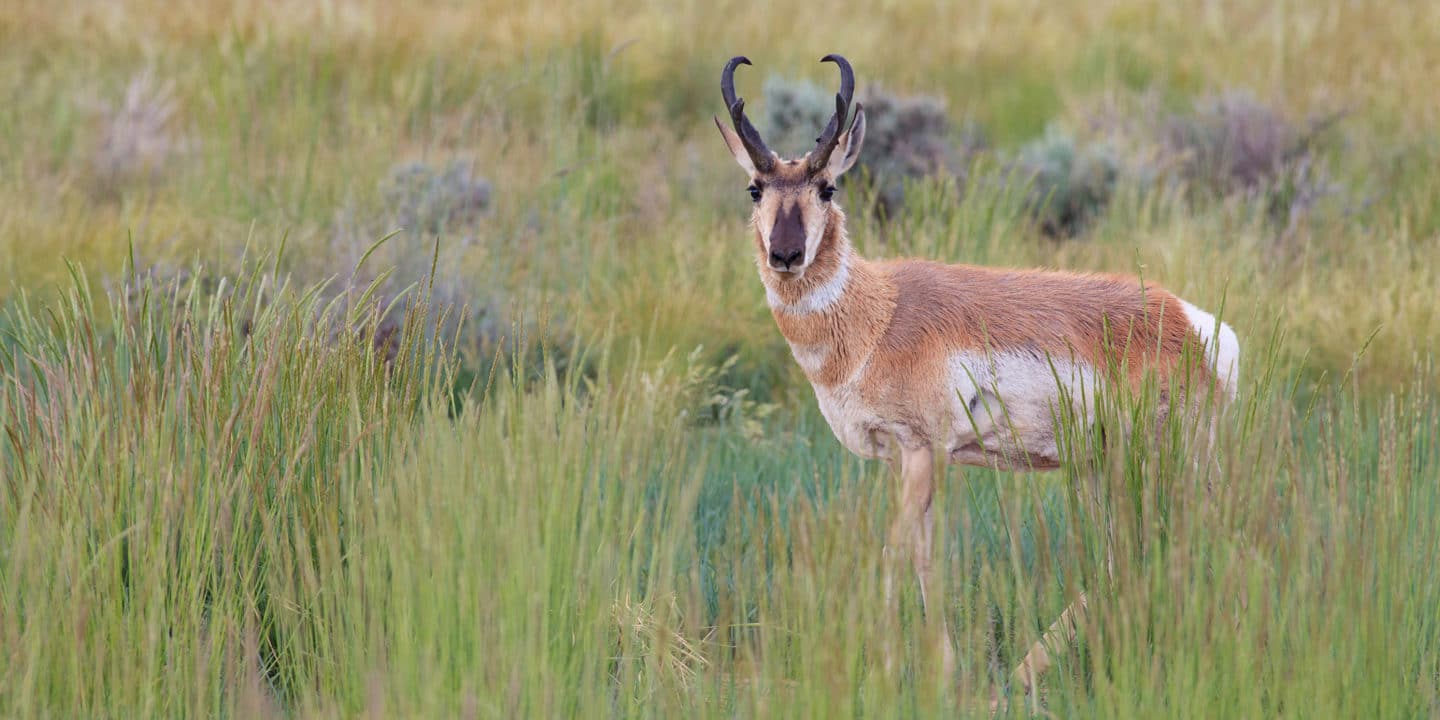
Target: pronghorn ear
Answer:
pixel 847 151
pixel 737 148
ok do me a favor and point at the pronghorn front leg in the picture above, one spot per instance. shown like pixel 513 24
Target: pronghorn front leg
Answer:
pixel 914 527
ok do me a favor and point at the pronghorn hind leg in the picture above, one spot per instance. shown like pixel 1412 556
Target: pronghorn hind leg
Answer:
pixel 1055 641
pixel 1061 633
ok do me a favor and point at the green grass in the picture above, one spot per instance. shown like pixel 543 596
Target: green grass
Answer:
pixel 597 485
pixel 215 505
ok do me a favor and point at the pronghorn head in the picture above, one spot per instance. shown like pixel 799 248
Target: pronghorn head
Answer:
pixel 793 208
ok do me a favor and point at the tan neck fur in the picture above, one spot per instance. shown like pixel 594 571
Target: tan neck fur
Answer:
pixel 842 333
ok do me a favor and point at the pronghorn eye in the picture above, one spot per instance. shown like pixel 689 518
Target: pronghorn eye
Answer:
pixel 754 193
pixel 827 192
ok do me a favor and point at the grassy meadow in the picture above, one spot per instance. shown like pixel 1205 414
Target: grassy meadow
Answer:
pixel 408 360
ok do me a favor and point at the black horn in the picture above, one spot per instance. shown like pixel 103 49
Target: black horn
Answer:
pixel 759 154
pixel 825 144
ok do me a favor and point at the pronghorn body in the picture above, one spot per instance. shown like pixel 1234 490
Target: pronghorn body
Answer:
pixel 923 363
pixel 919 354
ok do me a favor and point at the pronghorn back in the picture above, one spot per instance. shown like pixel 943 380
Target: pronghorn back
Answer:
pixel 1103 321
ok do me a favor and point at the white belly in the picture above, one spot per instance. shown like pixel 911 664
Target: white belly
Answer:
pixel 1004 407
pixel 1001 412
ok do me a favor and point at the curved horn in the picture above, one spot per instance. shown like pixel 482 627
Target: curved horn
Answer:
pixel 847 76
pixel 727 79
pixel 759 154
pixel 825 144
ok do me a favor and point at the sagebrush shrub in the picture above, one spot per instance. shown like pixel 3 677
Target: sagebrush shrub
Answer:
pixel 1069 182
pixel 426 199
pixel 906 137
pixel 438 244
pixel 1226 145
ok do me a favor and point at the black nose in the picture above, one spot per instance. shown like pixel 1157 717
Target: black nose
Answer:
pixel 785 258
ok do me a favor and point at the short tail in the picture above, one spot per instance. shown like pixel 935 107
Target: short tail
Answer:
pixel 1227 361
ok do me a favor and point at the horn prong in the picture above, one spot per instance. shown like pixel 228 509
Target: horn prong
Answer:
pixel 825 144
pixel 749 136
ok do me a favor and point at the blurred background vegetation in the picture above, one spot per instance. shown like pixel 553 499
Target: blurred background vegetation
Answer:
pixel 548 179
pixel 1275 155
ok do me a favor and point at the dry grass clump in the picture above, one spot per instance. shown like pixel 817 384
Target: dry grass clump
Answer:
pixel 653 641
pixel 137 135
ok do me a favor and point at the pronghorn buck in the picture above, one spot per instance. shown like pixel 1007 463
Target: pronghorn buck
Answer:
pixel 910 358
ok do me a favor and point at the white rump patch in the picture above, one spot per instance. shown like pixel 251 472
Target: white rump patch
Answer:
pixel 1222 347
pixel 818 299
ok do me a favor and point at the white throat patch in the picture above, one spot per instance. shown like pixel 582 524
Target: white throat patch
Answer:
pixel 819 299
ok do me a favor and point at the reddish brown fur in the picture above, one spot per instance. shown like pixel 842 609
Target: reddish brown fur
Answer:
pixel 908 316
pixel 1106 321
pixel 879 351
